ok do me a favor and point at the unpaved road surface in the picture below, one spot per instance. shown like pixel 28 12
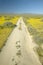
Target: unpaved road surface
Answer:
pixel 19 48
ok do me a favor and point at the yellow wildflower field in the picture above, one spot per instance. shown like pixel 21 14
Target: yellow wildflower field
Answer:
pixel 8 19
pixel 36 23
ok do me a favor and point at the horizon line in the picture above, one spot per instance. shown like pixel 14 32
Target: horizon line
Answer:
pixel 22 13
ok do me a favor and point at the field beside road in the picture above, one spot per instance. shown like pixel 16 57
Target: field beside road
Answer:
pixel 4 33
pixel 35 27
pixel 7 23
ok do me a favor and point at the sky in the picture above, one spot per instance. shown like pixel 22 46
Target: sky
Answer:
pixel 21 6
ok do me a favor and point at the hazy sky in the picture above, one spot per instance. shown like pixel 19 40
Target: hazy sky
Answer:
pixel 21 6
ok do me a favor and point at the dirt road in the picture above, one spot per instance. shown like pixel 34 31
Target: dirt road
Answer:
pixel 19 48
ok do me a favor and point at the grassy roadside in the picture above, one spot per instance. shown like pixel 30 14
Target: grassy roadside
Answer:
pixel 4 33
pixel 7 24
pixel 35 27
